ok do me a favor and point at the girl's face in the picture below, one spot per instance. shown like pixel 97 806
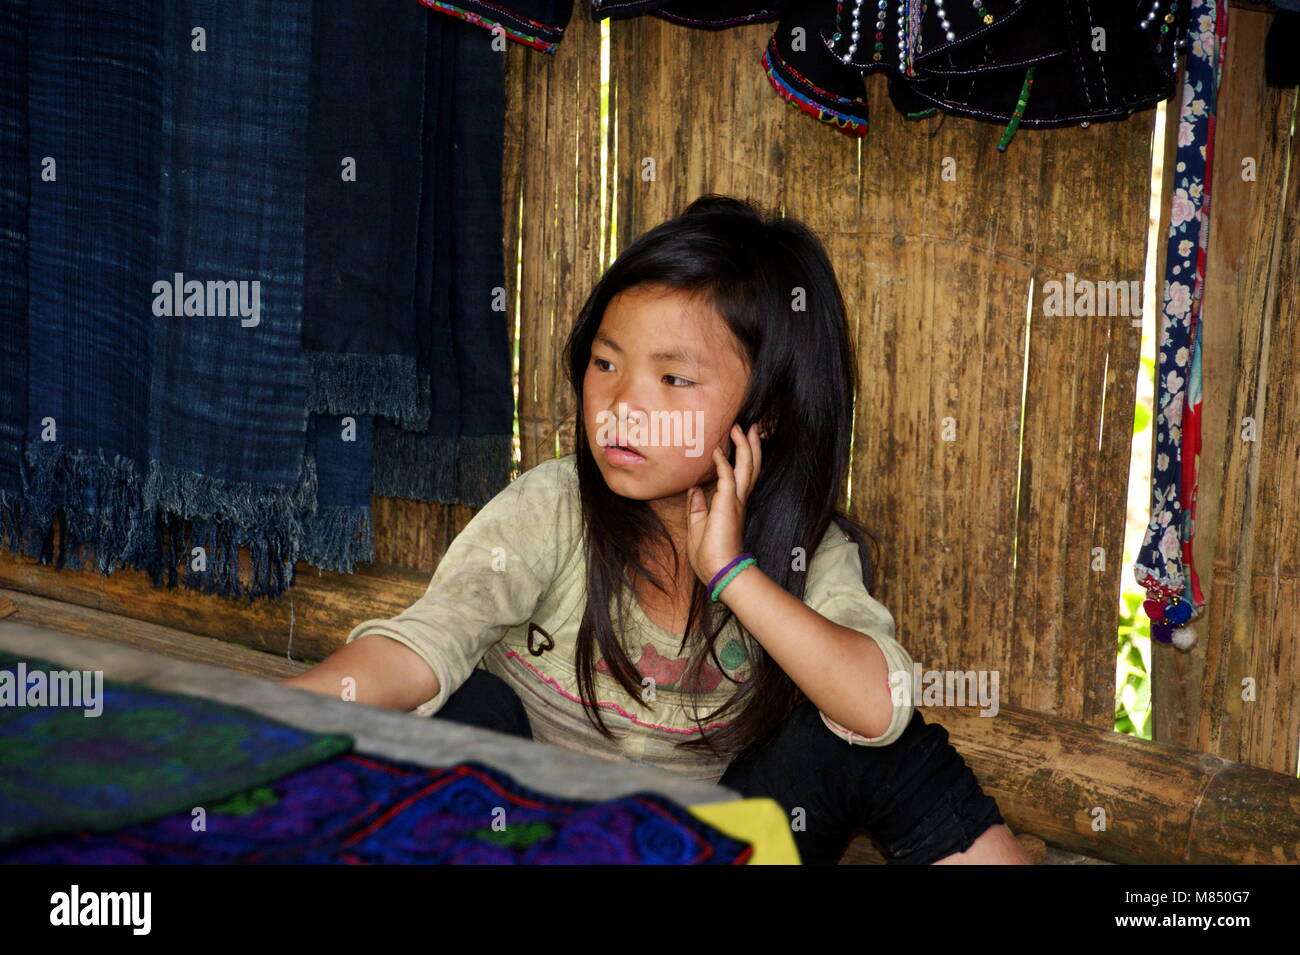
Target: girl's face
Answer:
pixel 665 377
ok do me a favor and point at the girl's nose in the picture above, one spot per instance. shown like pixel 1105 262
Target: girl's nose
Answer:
pixel 630 405
pixel 629 416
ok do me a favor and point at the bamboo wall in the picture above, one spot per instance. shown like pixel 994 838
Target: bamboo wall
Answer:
pixel 1248 519
pixel 989 558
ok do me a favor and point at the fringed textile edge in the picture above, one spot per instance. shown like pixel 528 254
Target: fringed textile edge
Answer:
pixel 337 537
pixel 224 517
pixel 354 384
pixel 102 503
pixel 468 470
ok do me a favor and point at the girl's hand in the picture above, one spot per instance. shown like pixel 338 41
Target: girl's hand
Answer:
pixel 715 528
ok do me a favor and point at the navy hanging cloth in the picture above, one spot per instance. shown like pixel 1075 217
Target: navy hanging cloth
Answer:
pixel 464 454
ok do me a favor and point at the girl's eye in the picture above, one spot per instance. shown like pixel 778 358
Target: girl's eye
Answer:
pixel 687 384
pixel 598 361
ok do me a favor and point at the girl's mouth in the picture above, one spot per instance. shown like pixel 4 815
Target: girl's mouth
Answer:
pixel 616 454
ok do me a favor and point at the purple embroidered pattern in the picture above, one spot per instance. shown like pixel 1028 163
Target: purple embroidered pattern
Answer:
pixel 363 810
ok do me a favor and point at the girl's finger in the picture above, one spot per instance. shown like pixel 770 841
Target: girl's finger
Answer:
pixel 697 510
pixel 726 477
pixel 744 460
pixel 754 438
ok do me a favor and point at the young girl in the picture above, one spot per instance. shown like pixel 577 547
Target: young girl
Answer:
pixel 682 589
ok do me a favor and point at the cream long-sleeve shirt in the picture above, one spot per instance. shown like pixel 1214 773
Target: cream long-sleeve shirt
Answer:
pixel 509 594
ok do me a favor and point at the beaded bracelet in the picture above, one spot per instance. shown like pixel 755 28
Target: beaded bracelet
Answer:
pixel 730 571
pixel 730 564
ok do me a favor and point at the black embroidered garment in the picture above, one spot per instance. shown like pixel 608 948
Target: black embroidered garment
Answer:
pixel 1037 63
pixel 1090 61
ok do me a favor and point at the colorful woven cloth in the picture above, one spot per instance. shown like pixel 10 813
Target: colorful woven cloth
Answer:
pixel 357 809
pixel 1164 563
pixel 146 753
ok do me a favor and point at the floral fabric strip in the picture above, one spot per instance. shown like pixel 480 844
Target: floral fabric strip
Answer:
pixel 1164 564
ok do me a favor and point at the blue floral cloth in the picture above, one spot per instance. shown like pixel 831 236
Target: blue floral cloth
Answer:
pixel 1164 563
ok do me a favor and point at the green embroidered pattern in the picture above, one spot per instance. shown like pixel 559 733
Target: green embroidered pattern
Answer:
pixel 116 753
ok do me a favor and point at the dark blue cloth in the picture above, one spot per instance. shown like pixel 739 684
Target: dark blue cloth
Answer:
pixel 193 155
pixel 367 100
pixel 228 434
pixel 94 104
pixel 340 532
pixel 464 339
pixel 13 265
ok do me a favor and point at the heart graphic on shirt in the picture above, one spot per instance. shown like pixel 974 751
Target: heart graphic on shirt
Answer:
pixel 541 647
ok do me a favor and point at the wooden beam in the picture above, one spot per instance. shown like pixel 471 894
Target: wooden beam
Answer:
pixel 150 637
pixel 309 623
pixel 1125 799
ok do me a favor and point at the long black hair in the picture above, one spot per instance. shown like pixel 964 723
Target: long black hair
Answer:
pixel 772 282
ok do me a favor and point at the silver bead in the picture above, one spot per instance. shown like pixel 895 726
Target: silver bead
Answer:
pixel 951 36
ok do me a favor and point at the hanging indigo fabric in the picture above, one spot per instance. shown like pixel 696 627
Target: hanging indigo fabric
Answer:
pixel 363 203
pixel 364 147
pixel 464 454
pixel 228 396
pixel 94 97
pixel 1164 564
pixel 340 532
pixel 13 266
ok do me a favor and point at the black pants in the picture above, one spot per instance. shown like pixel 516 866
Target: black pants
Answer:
pixel 916 797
